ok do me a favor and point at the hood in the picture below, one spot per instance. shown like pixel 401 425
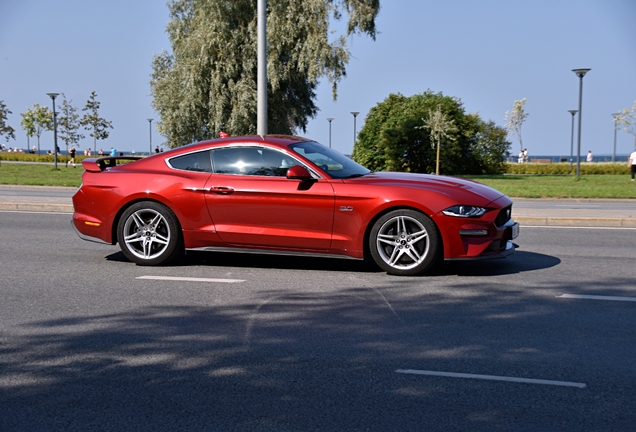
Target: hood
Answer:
pixel 450 186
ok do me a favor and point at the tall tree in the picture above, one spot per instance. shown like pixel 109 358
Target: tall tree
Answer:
pixel 92 122
pixel 37 120
pixel 68 123
pixel 440 126
pixel 626 120
pixel 208 82
pixel 5 128
pixel 395 138
pixel 515 119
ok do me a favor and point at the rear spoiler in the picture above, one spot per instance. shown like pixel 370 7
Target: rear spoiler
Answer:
pixel 100 164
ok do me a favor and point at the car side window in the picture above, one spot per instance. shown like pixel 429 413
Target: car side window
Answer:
pixel 253 161
pixel 199 161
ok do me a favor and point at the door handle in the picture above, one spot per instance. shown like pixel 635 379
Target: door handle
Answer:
pixel 222 190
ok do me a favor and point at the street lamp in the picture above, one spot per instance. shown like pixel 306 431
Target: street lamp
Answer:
pixel 579 73
pixel 355 114
pixel 573 112
pixel 330 119
pixel 150 130
pixel 53 96
pixel 614 154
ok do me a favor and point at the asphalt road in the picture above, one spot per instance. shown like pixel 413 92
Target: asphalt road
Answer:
pixel 89 341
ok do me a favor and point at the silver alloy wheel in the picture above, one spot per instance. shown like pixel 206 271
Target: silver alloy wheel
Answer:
pixel 402 242
pixel 146 234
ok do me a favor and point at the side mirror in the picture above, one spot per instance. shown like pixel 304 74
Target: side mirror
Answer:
pixel 298 172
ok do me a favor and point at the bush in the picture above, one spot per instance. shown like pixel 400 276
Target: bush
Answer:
pixel 609 168
pixel 29 157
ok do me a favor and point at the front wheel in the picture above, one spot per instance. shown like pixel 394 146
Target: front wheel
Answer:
pixel 404 243
pixel 148 234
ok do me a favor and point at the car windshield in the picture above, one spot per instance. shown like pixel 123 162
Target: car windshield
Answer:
pixel 335 164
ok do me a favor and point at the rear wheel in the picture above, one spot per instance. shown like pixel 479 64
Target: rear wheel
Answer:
pixel 148 234
pixel 404 242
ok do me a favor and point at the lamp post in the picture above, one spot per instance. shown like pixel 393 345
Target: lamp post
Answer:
pixel 573 112
pixel 261 67
pixel 150 130
pixel 330 119
pixel 355 114
pixel 53 96
pixel 579 73
pixel 614 154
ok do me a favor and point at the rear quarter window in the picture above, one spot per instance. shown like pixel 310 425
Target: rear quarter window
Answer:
pixel 199 161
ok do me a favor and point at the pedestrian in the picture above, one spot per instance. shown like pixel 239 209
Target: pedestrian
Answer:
pixel 631 162
pixel 100 152
pixel 589 157
pixel 525 155
pixel 520 159
pixel 113 152
pixel 157 149
pixel 72 152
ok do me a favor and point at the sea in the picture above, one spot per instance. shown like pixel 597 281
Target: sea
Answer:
pixel 556 159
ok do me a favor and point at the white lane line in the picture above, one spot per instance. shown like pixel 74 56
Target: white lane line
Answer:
pixel 491 378
pixel 190 279
pixel 597 297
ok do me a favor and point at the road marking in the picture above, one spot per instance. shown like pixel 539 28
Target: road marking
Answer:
pixel 190 279
pixel 597 297
pixel 492 378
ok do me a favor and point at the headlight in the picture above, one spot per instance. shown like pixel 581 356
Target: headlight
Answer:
pixel 464 211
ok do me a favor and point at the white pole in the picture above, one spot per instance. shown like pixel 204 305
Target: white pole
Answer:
pixel 261 123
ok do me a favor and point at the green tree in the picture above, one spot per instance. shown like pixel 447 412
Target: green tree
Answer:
pixel 208 82
pixel 626 120
pixel 440 126
pixel 395 138
pixel 92 122
pixel 37 120
pixel 5 129
pixel 68 123
pixel 515 119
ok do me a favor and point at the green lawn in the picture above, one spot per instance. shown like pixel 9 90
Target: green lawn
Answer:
pixel 523 186
pixel 40 174
pixel 562 186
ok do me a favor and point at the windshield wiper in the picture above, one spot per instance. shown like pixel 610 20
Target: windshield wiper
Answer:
pixel 356 175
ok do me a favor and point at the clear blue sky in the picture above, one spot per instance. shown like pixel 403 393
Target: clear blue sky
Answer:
pixel 487 53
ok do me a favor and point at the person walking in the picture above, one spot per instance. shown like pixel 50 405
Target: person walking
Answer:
pixel 631 162
pixel 72 152
pixel 589 157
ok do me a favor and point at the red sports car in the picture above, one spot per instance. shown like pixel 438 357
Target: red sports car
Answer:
pixel 287 195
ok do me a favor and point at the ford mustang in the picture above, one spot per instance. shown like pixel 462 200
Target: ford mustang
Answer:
pixel 291 196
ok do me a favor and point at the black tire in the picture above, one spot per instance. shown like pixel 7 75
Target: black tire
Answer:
pixel 404 243
pixel 148 234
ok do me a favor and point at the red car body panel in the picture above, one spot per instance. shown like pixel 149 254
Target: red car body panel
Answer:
pixel 327 215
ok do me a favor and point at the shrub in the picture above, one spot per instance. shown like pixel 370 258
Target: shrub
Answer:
pixel 609 168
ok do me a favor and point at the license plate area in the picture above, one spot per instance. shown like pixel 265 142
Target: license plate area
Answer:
pixel 514 231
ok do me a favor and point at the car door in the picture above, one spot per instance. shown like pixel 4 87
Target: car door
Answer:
pixel 252 203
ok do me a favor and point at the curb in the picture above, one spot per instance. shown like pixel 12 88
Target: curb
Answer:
pixel 576 222
pixel 42 208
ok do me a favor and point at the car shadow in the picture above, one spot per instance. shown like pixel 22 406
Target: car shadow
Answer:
pixel 518 263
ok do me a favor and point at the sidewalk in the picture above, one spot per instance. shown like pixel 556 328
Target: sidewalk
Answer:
pixel 528 212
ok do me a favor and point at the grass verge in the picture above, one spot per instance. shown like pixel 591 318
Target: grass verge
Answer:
pixel 564 186
pixel 522 186
pixel 40 174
